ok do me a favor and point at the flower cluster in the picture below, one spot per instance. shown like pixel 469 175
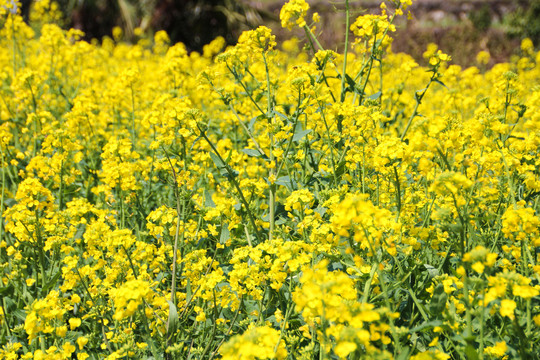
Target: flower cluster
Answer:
pixel 264 201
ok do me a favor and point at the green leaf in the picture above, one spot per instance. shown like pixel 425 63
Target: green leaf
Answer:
pixel 228 175
pixel 404 354
pixel 350 81
pixel 374 96
pixel 172 322
pixel 418 93
pixel 300 134
pixel 426 326
pixel 6 290
pixel 225 234
pixel 222 167
pixel 432 271
pixel 157 355
pixel 252 123
pixel 9 202
pixel 440 83
pixel 320 210
pixel 286 181
pixel 208 202
pixel 188 290
pixel 217 160
pixel 471 353
pixel 19 314
pixel 254 153
pixel 80 231
pixel 438 300
pixel 52 282
pixel 251 305
pixel 283 116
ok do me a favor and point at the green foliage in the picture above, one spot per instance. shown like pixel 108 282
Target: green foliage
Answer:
pixel 525 22
pixel 481 19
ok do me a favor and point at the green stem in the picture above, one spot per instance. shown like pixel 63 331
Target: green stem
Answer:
pixel 97 307
pixel 371 58
pixel 6 323
pixel 233 321
pixel 528 328
pixel 482 319
pixel 367 285
pixel 41 254
pixel 332 160
pixel 13 38
pixel 4 166
pixel 249 93
pixel 312 37
pixel 179 214
pixel 270 116
pixel 133 134
pixel 289 145
pixel 345 51
pixel 214 329
pixel 246 129
pixel 469 334
pixel 390 319
pixel 398 192
pixel 287 315
pixel 61 187
pixel 363 88
pixel 418 98
pixel 231 178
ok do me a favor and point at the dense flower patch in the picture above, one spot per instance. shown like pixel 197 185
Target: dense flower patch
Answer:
pixel 265 201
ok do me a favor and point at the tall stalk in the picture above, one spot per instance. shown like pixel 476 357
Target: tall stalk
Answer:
pixel 345 51
pixel 272 171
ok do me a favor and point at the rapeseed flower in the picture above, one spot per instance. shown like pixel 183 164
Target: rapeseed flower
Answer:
pixel 318 216
pixel 293 13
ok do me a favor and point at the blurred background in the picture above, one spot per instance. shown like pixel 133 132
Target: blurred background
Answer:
pixel 461 28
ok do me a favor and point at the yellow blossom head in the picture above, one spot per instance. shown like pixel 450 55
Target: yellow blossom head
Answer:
pixel 293 14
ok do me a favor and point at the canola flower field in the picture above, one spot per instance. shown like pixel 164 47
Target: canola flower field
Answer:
pixel 265 201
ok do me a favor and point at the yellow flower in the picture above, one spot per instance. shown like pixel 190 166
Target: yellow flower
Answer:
pixel 431 355
pixel 82 356
pixel 201 316
pixel 61 331
pixel 258 40
pixel 128 297
pixel 483 57
pixel 117 33
pixel 292 14
pixel 499 349
pixel 507 308
pixel 372 28
pixel 74 323
pixel 255 343
pixel 525 291
pixel 278 315
pixel 434 342
pixel 344 348
pixel 299 200
pixel 68 349
pixel 478 267
pixel 536 320
pixel 527 46
pixel 81 341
